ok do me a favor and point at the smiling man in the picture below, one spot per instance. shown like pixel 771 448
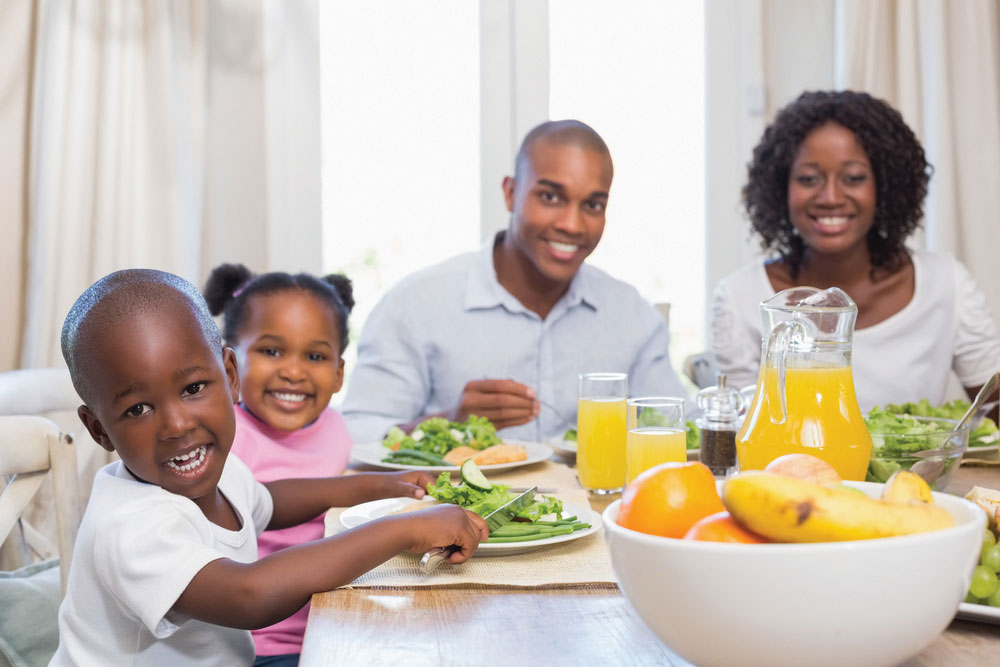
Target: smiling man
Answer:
pixel 503 333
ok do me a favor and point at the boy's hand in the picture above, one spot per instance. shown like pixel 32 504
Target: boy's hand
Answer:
pixel 411 484
pixel 446 526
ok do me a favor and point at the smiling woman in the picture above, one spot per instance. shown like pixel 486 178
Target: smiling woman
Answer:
pixel 835 188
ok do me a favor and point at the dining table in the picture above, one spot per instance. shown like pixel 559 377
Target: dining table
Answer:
pixel 524 618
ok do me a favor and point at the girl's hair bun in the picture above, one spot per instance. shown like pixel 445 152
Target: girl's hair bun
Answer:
pixel 222 284
pixel 344 288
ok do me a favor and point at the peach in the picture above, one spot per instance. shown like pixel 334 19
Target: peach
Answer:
pixel 805 466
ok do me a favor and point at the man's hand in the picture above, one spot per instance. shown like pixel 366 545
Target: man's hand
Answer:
pixel 504 402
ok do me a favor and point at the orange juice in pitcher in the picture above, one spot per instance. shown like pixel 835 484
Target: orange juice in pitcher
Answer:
pixel 805 400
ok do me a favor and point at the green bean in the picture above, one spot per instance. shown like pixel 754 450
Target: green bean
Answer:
pixel 424 457
pixel 558 522
pixel 521 530
pixel 530 537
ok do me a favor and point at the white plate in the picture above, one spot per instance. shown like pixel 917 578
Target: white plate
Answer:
pixel 979 612
pixel 566 447
pixel 987 444
pixel 365 512
pixel 372 454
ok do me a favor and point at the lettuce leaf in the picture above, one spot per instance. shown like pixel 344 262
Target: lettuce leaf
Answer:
pixel 484 502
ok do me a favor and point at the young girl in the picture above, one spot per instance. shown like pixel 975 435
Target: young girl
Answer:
pixel 288 332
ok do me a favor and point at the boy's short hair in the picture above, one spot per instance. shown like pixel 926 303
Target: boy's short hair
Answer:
pixel 120 296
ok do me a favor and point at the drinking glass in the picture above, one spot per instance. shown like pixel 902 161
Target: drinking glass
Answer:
pixel 655 433
pixel 600 431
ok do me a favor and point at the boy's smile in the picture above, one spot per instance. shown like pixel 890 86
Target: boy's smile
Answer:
pixel 163 400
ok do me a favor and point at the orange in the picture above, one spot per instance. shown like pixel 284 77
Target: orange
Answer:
pixel 722 528
pixel 669 498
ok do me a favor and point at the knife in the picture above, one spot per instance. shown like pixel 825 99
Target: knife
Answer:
pixel 498 517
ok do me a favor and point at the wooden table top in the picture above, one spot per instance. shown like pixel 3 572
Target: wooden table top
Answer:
pixel 584 625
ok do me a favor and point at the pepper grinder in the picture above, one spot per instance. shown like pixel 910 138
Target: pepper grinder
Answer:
pixel 721 406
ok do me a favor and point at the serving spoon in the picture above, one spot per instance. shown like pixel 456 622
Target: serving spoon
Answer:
pixel 984 393
pixel 931 469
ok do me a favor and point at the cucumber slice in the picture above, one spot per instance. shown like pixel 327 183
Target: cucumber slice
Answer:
pixel 474 477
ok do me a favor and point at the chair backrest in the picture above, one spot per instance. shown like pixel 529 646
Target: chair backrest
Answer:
pixel 32 448
pixel 49 393
pixel 701 370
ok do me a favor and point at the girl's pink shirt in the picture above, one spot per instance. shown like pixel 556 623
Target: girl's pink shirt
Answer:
pixel 321 449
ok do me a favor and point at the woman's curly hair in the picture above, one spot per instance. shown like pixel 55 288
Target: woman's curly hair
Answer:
pixel 897 160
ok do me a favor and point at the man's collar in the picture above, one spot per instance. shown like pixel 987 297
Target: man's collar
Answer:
pixel 484 291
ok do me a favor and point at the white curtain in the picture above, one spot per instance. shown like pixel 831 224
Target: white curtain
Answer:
pixel 114 177
pixel 172 135
pixel 938 62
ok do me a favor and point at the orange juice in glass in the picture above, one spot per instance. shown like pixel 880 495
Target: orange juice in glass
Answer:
pixel 655 434
pixel 600 431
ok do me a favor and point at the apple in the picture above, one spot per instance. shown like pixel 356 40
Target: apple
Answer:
pixel 805 466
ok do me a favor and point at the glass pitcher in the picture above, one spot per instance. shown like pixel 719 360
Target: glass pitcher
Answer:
pixel 805 400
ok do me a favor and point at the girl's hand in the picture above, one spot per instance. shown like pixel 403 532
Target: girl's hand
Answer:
pixel 446 526
pixel 411 484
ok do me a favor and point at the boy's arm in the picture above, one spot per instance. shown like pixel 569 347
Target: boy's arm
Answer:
pixel 255 595
pixel 299 500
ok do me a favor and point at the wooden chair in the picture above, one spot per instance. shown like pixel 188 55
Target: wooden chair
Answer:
pixel 49 393
pixel 32 448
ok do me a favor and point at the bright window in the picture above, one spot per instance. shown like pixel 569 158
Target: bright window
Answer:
pixel 401 140
pixel 400 97
pixel 635 72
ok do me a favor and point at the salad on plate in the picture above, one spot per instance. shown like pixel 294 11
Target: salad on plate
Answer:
pixel 439 442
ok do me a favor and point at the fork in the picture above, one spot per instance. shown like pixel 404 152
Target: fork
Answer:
pixel 555 410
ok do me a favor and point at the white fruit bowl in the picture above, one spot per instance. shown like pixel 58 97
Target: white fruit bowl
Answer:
pixel 868 602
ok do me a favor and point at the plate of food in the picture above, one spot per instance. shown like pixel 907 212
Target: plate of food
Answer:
pixel 545 522
pixel 983 600
pixel 439 445
pixel 564 444
pixel 984 443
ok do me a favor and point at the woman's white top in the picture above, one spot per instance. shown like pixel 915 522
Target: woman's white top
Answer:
pixel 946 326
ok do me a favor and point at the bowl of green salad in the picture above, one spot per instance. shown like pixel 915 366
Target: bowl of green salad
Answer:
pixel 928 446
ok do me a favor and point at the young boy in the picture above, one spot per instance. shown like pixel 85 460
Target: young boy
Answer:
pixel 164 570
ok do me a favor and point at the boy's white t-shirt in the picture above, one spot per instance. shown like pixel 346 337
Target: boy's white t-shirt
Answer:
pixel 137 549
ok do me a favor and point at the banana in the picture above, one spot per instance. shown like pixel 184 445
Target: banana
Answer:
pixel 787 509
pixel 906 487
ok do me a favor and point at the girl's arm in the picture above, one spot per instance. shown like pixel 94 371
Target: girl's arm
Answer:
pixel 255 595
pixel 299 500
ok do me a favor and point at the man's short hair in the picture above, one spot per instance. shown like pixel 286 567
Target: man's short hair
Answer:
pixel 561 133
pixel 121 296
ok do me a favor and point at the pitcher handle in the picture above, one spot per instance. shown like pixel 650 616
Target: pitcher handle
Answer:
pixel 781 337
